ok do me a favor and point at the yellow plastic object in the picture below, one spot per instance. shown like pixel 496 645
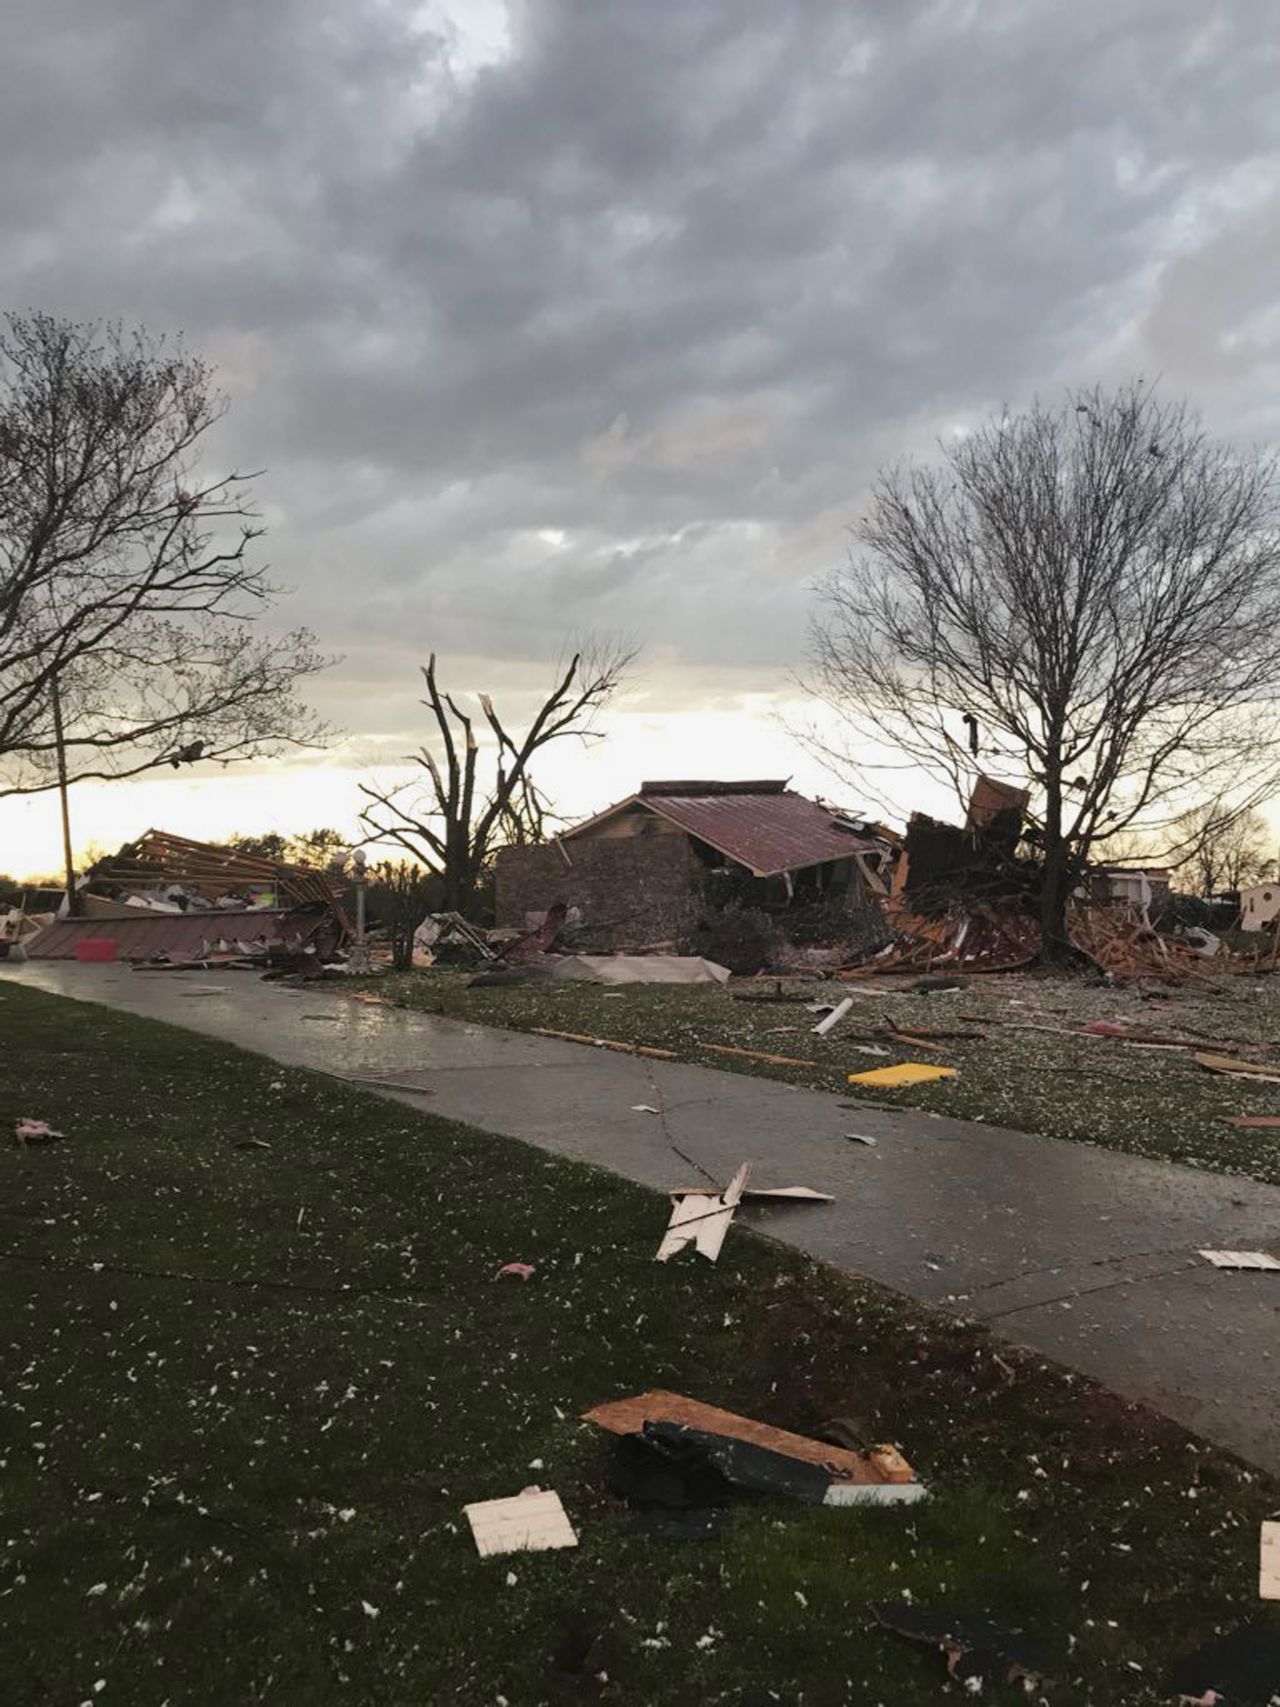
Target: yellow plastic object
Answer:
pixel 907 1073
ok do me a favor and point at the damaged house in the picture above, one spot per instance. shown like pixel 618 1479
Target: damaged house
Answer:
pixel 647 870
pixel 167 898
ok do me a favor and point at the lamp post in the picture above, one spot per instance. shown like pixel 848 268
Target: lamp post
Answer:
pixel 358 863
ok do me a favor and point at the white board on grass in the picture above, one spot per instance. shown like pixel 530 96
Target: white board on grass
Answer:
pixel 532 1522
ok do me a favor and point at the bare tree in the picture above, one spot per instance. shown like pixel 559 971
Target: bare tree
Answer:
pixel 1223 849
pixel 127 594
pixel 1084 599
pixel 454 827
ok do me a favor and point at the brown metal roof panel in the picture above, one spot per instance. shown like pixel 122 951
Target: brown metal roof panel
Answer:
pixel 768 833
pixel 182 936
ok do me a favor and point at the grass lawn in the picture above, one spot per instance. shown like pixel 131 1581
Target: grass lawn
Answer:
pixel 1094 1090
pixel 245 1393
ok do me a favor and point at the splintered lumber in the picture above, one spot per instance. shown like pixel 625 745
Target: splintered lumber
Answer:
pixel 880 1464
pixel 703 1220
pixel 1267 1071
pixel 757 1055
pixel 1259 1120
pixel 607 1043
pixel 792 1193
pixel 918 1034
pixel 912 1039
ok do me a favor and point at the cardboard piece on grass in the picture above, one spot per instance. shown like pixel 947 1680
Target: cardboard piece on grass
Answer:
pixel 533 1521
pixel 1269 1562
pixel 1240 1259
pixel 905 1073
pixel 702 1221
pixel 879 1465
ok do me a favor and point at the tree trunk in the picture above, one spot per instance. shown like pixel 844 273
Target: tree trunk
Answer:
pixel 1055 943
pixel 1055 948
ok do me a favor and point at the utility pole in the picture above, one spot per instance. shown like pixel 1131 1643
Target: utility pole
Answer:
pixel 73 906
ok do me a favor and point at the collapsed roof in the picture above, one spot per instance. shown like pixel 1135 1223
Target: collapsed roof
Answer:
pixel 212 872
pixel 229 902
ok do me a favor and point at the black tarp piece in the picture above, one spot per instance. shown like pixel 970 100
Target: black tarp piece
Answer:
pixel 1243 1667
pixel 976 1648
pixel 744 1467
pixel 677 1499
pixel 679 1480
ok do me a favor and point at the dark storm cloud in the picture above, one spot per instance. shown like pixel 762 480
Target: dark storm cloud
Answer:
pixel 609 324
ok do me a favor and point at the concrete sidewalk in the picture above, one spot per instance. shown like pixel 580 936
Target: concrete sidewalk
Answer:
pixel 1085 1255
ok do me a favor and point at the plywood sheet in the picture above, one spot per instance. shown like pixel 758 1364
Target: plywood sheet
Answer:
pixel 1269 1572
pixel 628 1416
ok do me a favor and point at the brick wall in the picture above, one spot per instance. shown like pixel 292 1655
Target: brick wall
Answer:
pixel 642 887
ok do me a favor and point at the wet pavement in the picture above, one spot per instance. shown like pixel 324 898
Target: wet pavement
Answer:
pixel 1085 1255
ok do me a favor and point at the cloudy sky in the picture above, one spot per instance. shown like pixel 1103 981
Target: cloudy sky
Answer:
pixel 558 315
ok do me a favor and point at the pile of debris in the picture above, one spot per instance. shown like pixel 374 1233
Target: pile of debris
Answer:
pixel 986 938
pixel 17 927
pixel 1122 943
pixel 166 900
pixel 1119 940
pixel 964 898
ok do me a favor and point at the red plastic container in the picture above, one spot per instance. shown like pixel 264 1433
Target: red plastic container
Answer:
pixel 96 948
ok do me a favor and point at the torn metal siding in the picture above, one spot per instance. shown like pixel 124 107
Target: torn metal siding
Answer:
pixel 179 936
